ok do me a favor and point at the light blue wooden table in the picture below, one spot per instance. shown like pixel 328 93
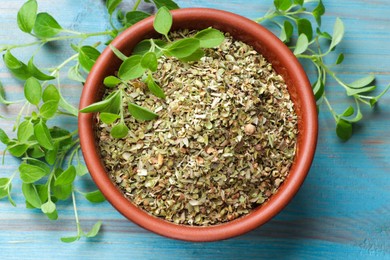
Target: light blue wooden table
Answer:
pixel 341 212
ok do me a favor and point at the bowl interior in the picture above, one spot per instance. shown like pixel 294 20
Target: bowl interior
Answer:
pixel 283 61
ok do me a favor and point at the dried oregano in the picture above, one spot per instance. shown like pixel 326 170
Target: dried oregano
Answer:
pixel 222 144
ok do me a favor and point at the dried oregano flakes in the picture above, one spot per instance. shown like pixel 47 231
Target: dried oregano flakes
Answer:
pixel 222 144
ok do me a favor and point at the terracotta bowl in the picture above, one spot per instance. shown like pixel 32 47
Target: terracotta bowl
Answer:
pixel 284 62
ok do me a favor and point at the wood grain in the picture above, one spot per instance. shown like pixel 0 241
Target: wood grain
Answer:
pixel 341 211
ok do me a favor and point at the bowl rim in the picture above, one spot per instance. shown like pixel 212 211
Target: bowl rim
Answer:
pixel 258 216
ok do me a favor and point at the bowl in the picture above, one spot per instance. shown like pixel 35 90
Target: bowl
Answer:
pixel 284 63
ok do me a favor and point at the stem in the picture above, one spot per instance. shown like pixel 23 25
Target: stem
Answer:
pixel 136 5
pixel 330 108
pixel 60 38
pixel 76 216
pixel 267 16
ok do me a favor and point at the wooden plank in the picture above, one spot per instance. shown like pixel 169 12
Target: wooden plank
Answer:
pixel 341 211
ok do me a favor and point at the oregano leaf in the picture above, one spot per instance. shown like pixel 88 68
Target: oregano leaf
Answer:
pixel 210 38
pixel 48 109
pixel 42 135
pixel 33 90
pixel 27 15
pixel 48 207
pixel 46 26
pixel 51 93
pixel 31 173
pixel 338 33
pixel 36 73
pixel 131 68
pixel 343 129
pixel 171 5
pixel 108 118
pixel 112 5
pixel 149 61
pixel 111 81
pixel 94 230
pixel 133 17
pixel 66 177
pixel 304 27
pixel 95 196
pixel 88 56
pixel 154 88
pixel 120 130
pixel 302 44
pixel 141 113
pixel 163 21
pixel 183 48
pixel 31 195
pixel 25 131
pixel 318 11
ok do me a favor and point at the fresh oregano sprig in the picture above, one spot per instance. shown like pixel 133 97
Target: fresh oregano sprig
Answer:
pixel 142 64
pixel 314 45
pixel 50 159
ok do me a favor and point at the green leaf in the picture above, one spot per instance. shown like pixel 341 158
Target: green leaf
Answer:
pixel 171 5
pixel 374 100
pixel 95 229
pixel 302 44
pixel 81 169
pixel 324 35
pixel 88 56
pixel 95 196
pixel 344 129
pixel 120 130
pixel 33 91
pixel 46 26
pixel 304 27
pixel 49 109
pixel 340 58
pixel 27 15
pixel 354 91
pixel 31 195
pixel 338 33
pixel 149 61
pixel 25 131
pixel 197 55
pixel 31 173
pixel 62 192
pixel 362 82
pixel 70 239
pixel 299 2
pixel 111 81
pixel 141 113
pixel 42 134
pixel 318 89
pixel 36 151
pixel 131 68
pixel 36 73
pixel 163 21
pixel 134 17
pixel 38 163
pixel 210 38
pixel 66 177
pixel 154 88
pixel 17 149
pixel 74 73
pixel 318 12
pixel 183 48
pixel 2 96
pixel 145 46
pixel 112 5
pixel 53 215
pixel 51 155
pixel 4 183
pixel 118 53
pixel 17 68
pixel 108 118
pixel 4 137
pixel 348 111
pixel 103 106
pixel 57 132
pixel 51 93
pixel 48 207
pixel 286 32
pixel 282 5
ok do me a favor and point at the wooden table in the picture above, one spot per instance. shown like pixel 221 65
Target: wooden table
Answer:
pixel 341 211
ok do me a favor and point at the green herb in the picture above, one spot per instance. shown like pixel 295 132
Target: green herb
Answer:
pixel 142 64
pixel 47 153
pixel 314 45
